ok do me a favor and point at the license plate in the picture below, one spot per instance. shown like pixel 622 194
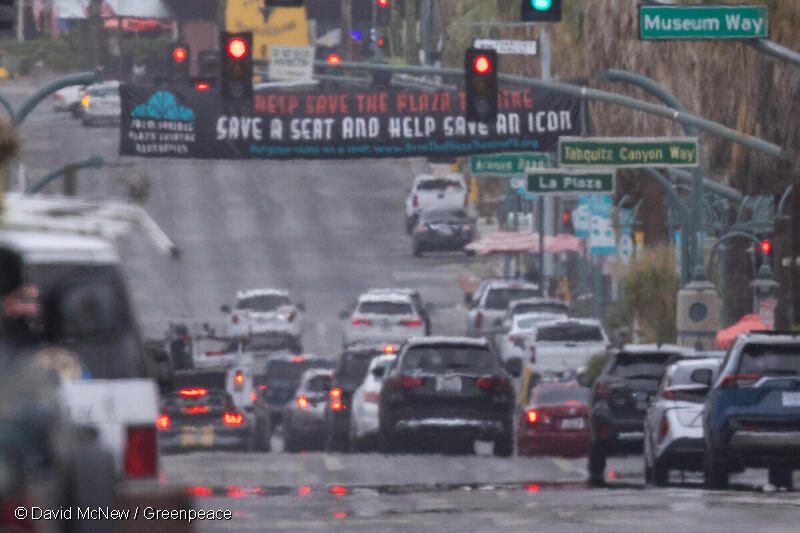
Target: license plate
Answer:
pixel 194 436
pixel 572 423
pixel 448 384
pixel 791 399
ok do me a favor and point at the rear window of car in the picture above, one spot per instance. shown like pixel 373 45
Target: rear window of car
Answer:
pixel 770 360
pixel 451 358
pixel 272 342
pixel 499 298
pixel 563 395
pixel 354 365
pixel 641 366
pixel 570 333
pixel 439 185
pixel 552 308
pixel 385 308
pixel 104 91
pixel 321 383
pixel 444 216
pixel 264 302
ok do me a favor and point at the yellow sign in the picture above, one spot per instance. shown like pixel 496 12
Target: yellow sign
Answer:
pixel 286 26
pixel 638 236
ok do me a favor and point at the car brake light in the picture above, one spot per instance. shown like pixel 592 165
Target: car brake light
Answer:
pixel 669 395
pixel 533 354
pixel 389 349
pixel 362 322
pixel 415 201
pixel 337 405
pixel 162 422
pixel 297 359
pixel 238 378
pixel 517 341
pixel 478 320
pixel 411 323
pixel 193 410
pixel 141 452
pixel 404 382
pixel 212 353
pixel 335 393
pixel 573 402
pixel 664 428
pixel 533 416
pixel 253 396
pixel 733 381
pixel 193 393
pixel 233 419
pixel 302 401
pixel 262 387
pixel 371 397
pixel 492 383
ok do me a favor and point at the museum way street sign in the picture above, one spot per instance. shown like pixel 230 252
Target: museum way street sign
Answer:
pixel 703 22
pixel 627 152
pixel 564 181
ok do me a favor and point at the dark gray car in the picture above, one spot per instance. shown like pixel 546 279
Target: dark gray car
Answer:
pixel 443 230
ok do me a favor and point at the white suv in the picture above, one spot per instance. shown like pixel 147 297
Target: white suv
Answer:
pixel 388 318
pixel 261 311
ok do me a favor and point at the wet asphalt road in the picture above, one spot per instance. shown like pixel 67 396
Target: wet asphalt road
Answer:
pixel 327 231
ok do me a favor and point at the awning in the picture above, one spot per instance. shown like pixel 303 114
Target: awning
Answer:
pixel 747 323
pixel 507 242
pixel 137 25
pixel 143 9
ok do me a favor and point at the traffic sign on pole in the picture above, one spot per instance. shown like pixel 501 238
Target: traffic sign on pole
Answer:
pixel 508 163
pixel 563 182
pixel 703 22
pixel 627 152
pixel 509 46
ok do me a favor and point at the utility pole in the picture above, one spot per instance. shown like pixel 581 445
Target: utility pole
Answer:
pixel 794 267
pixel 95 21
pixel 425 31
pixel 346 25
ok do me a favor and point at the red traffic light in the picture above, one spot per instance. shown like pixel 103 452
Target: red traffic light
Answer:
pixel 766 247
pixel 334 59
pixel 482 65
pixel 381 41
pixel 383 3
pixel 201 86
pixel 179 54
pixel 566 216
pixel 237 48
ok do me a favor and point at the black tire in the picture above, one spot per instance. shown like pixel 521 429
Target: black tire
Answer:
pixel 504 444
pixel 781 478
pixel 715 471
pixel 387 442
pixel 91 483
pixel 262 437
pixel 597 465
pixel 660 473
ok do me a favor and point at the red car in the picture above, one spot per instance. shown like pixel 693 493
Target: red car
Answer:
pixel 556 421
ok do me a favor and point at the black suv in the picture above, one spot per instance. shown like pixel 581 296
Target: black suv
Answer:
pixel 619 401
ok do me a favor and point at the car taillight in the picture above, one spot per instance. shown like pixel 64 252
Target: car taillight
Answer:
pixel 298 359
pixel 162 422
pixel 415 201
pixel 194 410
pixel 302 401
pixel 361 322
pixel 533 354
pixel 403 382
pixel 494 383
pixel 141 452
pixel 335 393
pixel 371 397
pixel 235 319
pixel 86 100
pixel 533 416
pixel 337 405
pixel 478 320
pixel 238 378
pixel 291 316
pixel 253 396
pixel 572 402
pixel 669 395
pixel 733 381
pixel 664 428
pixel 517 341
pixel 233 419
pixel 193 393
pixel 389 348
pixel 411 323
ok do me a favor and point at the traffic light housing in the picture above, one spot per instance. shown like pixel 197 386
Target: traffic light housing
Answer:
pixel 179 59
pixel 480 71
pixel 541 10
pixel 384 14
pixel 766 247
pixel 566 222
pixel 236 60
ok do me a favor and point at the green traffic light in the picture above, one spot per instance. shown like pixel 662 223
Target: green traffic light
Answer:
pixel 541 5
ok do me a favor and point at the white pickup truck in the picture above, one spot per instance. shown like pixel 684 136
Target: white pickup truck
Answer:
pixel 563 344
pixel 435 191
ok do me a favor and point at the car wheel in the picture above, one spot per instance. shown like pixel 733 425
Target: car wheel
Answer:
pixel 504 444
pixel 387 442
pixel 714 470
pixel 597 465
pixel 411 222
pixel 91 484
pixel 781 478
pixel 660 473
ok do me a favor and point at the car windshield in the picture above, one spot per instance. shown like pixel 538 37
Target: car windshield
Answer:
pixel 562 395
pixel 320 383
pixel 770 360
pixel 444 359
pixel 499 298
pixel 353 365
pixel 263 302
pixel 384 308
pixel 570 333
pixel 439 185
pixel 641 366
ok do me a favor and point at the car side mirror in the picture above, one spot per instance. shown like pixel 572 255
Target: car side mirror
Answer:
pixel 378 372
pixel 225 309
pixel 702 376
pixel 514 366
pixel 301 306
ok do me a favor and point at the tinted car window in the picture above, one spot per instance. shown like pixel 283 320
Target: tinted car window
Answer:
pixel 570 333
pixel 272 342
pixel 385 308
pixel 319 384
pixel 353 365
pixel 288 371
pixel 563 395
pixel 638 366
pixel 445 216
pixel 770 360
pixel 442 359
pixel 264 302
pixel 439 185
pixel 499 298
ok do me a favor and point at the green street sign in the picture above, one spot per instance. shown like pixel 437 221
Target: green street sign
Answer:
pixel 557 181
pixel 508 163
pixel 703 22
pixel 627 152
